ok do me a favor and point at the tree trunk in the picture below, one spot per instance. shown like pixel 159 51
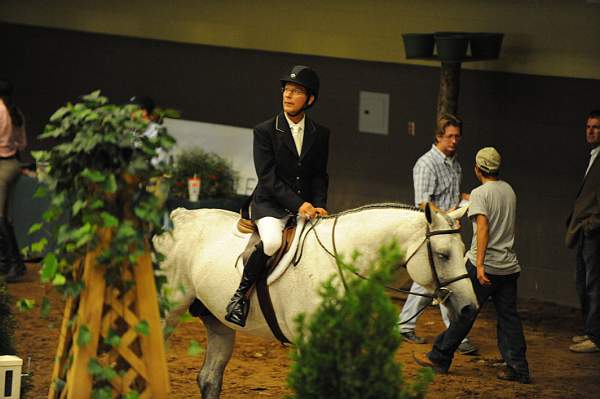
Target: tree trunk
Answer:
pixel 449 88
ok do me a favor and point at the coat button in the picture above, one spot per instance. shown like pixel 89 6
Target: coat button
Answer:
pixel 299 163
pixel 297 177
pixel 299 191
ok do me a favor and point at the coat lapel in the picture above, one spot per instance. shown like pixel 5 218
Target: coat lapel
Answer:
pixel 310 134
pixel 283 128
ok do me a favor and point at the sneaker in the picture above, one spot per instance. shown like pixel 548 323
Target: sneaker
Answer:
pixel 410 336
pixel 424 361
pixel 510 375
pixel 579 338
pixel 586 346
pixel 467 348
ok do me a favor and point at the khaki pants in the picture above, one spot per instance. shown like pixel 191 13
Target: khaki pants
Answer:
pixel 9 173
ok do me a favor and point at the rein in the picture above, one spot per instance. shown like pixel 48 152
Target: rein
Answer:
pixel 440 294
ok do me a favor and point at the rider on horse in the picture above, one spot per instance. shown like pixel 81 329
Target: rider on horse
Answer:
pixel 290 157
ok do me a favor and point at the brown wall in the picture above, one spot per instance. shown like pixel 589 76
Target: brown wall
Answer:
pixel 535 122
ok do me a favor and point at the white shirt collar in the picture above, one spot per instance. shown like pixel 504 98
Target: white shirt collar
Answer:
pixel 593 156
pixel 299 124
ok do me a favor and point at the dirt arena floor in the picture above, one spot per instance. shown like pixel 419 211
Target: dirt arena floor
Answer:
pixel 259 367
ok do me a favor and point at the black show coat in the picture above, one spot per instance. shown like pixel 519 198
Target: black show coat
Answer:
pixel 286 180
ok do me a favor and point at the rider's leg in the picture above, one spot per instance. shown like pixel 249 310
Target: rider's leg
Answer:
pixel 270 230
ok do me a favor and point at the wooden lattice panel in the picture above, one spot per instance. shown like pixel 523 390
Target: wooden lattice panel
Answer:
pixel 139 360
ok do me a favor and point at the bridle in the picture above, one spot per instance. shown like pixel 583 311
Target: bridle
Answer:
pixel 441 292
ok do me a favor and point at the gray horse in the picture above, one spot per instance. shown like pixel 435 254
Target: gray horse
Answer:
pixel 204 246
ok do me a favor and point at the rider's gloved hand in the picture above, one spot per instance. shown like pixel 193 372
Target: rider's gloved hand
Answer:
pixel 307 210
pixel 322 211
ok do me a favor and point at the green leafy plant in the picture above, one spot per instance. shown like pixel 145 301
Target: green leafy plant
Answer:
pixel 346 349
pixel 217 177
pixel 97 179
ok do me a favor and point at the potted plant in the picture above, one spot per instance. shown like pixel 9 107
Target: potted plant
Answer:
pixel 217 180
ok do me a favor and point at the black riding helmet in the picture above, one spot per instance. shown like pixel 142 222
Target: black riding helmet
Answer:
pixel 6 88
pixel 304 76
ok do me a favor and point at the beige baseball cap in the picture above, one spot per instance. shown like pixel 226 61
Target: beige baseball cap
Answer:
pixel 488 160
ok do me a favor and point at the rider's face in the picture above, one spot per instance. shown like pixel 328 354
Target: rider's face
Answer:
pixel 294 97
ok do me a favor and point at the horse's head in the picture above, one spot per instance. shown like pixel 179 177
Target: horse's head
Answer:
pixel 437 261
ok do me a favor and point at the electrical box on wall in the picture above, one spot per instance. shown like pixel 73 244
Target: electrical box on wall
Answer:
pixel 373 112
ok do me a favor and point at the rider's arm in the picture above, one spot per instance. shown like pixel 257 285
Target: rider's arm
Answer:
pixel 264 163
pixel 320 181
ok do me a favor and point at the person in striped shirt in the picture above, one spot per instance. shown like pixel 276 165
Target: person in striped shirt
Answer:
pixel 436 176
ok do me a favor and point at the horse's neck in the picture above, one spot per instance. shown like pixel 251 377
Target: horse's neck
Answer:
pixel 366 231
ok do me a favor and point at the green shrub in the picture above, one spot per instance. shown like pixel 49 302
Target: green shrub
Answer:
pixel 346 349
pixel 217 177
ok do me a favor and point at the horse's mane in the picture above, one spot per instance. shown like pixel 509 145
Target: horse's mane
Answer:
pixel 384 205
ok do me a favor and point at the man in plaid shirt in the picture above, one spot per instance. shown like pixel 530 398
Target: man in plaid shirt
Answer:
pixel 436 176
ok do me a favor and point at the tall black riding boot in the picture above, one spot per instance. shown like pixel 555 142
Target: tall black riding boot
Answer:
pixel 15 268
pixel 237 310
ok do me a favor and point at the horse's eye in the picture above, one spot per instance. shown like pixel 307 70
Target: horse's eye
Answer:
pixel 443 257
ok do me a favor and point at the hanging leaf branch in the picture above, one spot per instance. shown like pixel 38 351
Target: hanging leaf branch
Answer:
pixel 97 179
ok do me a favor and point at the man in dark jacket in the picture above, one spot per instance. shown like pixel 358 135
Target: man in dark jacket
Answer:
pixel 290 157
pixel 583 233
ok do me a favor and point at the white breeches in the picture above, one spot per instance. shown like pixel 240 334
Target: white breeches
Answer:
pixel 270 230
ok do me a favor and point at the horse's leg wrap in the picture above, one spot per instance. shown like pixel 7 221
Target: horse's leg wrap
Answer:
pixel 237 310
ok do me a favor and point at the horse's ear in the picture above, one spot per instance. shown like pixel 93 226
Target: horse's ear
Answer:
pixel 457 214
pixel 428 213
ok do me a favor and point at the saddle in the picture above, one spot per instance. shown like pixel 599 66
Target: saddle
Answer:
pixel 262 288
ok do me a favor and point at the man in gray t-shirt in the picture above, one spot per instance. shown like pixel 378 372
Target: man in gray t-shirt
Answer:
pixel 496 200
pixel 493 269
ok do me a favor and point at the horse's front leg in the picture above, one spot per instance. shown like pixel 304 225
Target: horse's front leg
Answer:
pixel 219 347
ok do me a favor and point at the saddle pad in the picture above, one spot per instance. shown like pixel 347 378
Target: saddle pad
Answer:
pixel 285 261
